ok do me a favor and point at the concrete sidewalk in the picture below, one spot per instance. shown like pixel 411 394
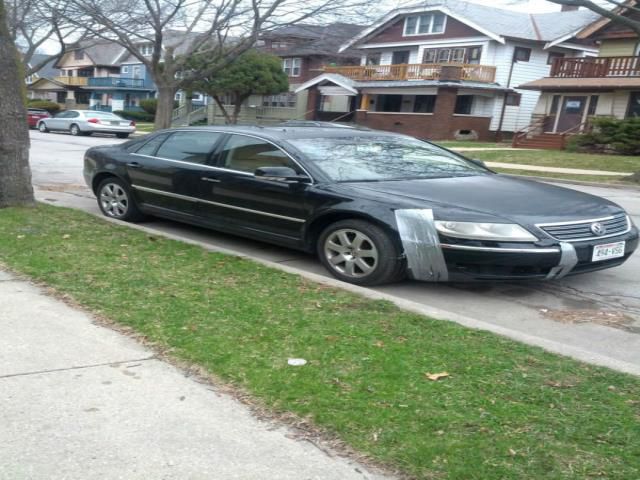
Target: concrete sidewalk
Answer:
pixel 573 171
pixel 80 401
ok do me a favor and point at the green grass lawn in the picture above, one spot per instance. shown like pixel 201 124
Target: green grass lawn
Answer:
pixel 471 144
pixel 560 158
pixel 507 410
pixel 144 127
pixel 566 176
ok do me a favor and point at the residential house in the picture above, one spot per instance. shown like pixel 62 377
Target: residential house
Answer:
pixel 578 89
pixel 449 69
pixel 91 75
pixel 46 72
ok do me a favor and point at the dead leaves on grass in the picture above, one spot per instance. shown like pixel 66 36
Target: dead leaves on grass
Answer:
pixel 434 377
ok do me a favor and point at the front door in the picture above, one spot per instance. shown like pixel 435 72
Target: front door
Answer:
pixel 400 57
pixel 634 105
pixel 252 205
pixel 571 113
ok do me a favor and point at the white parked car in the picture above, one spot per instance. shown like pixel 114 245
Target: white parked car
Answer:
pixel 86 122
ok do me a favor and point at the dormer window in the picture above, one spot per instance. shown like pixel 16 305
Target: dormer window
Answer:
pixel 146 50
pixel 426 24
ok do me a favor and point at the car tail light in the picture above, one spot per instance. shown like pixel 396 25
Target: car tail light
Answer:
pixel 132 123
pixel 93 120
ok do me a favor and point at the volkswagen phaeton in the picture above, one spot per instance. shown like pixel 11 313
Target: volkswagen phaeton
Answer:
pixel 374 206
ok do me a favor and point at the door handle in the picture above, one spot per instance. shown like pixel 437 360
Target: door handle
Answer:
pixel 134 165
pixel 210 179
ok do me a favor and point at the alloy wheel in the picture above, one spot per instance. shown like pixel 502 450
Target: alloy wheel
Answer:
pixel 351 253
pixel 74 130
pixel 42 127
pixel 114 200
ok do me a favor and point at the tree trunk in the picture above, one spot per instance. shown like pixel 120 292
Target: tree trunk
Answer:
pixel 164 110
pixel 227 117
pixel 15 174
pixel 238 107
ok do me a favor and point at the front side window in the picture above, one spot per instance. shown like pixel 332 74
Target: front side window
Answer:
pixel 194 147
pixel 426 24
pixel 246 154
pixel 152 145
pixel 379 158
pixel 291 66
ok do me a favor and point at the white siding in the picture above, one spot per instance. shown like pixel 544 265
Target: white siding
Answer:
pixel 620 104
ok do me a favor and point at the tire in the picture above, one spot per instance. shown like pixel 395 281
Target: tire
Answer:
pixel 359 252
pixel 115 201
pixel 75 130
pixel 43 127
pixel 122 135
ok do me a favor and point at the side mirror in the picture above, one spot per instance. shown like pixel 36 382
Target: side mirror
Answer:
pixel 281 174
pixel 480 163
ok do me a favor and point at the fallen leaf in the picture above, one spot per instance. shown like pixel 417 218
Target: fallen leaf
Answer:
pixel 379 344
pixel 66 235
pixel 436 376
pixel 20 237
pixel 512 452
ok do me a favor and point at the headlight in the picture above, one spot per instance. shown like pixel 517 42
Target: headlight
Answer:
pixel 485 231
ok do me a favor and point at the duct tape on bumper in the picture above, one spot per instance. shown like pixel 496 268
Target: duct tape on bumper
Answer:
pixel 421 244
pixel 568 260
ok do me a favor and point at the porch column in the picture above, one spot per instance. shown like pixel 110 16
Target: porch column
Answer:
pixel 313 103
pixel 364 103
pixel 70 101
pixel 443 113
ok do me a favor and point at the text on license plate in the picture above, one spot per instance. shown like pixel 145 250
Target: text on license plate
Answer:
pixel 607 251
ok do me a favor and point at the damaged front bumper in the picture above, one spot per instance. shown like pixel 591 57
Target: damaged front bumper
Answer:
pixel 434 258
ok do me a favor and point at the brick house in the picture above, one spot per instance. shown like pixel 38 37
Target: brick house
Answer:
pixel 448 69
pixel 578 89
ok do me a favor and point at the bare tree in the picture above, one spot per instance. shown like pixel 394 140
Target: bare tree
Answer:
pixel 32 23
pixel 176 29
pixel 15 174
pixel 611 9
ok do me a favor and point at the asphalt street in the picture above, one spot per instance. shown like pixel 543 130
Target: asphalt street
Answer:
pixel 597 312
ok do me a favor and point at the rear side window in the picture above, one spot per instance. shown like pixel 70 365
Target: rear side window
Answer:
pixel 192 147
pixel 152 145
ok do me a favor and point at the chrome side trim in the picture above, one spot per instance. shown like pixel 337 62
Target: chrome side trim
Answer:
pixel 421 244
pixel 499 250
pixel 223 205
pixel 568 260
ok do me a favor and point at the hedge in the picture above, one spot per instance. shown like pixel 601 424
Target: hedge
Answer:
pixel 137 116
pixel 47 105
pixel 610 135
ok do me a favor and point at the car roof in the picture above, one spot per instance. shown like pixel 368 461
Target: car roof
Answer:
pixel 282 132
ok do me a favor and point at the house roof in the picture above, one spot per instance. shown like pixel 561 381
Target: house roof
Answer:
pixel 602 22
pixel 316 39
pixel 354 85
pixel 571 84
pixel 497 23
pixel 48 70
pixel 181 41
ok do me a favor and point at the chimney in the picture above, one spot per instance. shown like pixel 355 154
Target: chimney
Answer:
pixel 569 8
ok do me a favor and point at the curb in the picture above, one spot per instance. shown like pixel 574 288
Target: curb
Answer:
pixel 411 306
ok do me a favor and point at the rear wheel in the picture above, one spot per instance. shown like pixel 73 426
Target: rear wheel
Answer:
pixel 42 127
pixel 115 200
pixel 75 130
pixel 122 135
pixel 359 252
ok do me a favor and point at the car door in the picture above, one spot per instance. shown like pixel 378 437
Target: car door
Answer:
pixel 57 121
pixel 253 205
pixel 166 172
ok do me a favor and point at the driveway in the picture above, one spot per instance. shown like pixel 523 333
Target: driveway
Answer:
pixel 598 312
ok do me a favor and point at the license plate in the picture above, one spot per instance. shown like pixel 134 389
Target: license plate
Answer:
pixel 607 251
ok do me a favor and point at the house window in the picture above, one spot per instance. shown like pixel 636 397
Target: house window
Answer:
pixel 390 103
pixel 521 54
pixel 430 55
pixel 473 55
pixel 124 69
pixel 424 103
pixel 291 66
pixel 373 58
pixel 282 100
pixel 426 24
pixel 555 101
pixel 463 105
pixel 593 105
pixel 552 56
pixel 78 54
pixel 279 45
pixel 457 55
pixel 146 50
pixel 513 99
pixel 137 71
pixel 443 55
pixel 61 97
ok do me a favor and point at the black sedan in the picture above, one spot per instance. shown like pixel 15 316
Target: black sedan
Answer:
pixel 374 206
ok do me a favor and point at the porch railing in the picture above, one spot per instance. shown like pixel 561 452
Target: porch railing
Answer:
pixel 120 82
pixel 596 67
pixel 72 81
pixel 418 71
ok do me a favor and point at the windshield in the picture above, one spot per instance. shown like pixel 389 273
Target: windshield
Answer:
pixel 369 158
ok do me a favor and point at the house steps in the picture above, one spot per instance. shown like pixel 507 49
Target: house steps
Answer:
pixel 544 141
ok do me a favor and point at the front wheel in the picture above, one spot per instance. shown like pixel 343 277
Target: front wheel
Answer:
pixel 359 252
pixel 115 201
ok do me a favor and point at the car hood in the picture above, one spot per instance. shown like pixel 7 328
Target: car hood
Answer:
pixel 519 200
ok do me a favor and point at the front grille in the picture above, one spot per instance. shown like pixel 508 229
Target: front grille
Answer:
pixel 581 230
